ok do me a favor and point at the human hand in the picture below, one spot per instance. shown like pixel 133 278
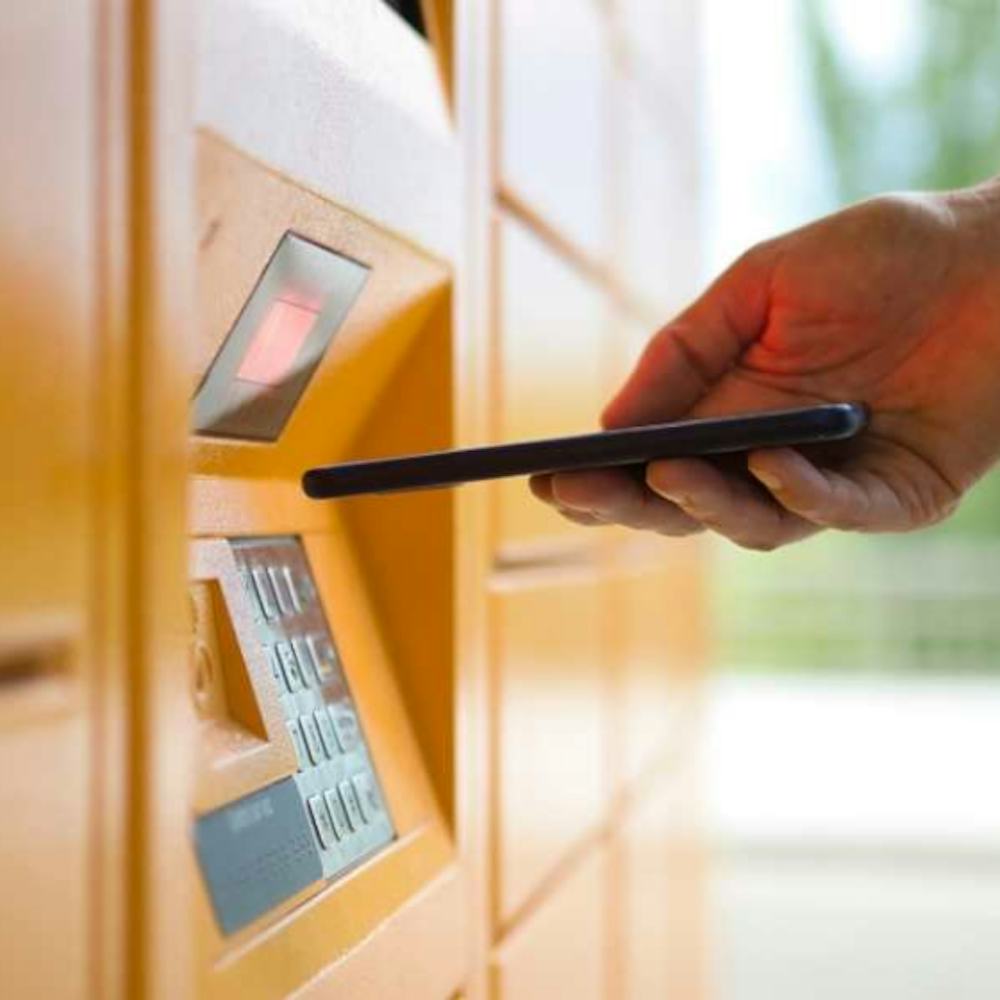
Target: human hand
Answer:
pixel 894 302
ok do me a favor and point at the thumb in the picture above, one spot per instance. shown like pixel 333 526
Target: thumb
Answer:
pixel 683 361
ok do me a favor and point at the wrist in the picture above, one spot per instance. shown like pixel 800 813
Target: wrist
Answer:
pixel 974 213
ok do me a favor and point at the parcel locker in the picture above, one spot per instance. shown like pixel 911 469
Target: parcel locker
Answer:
pixel 260 746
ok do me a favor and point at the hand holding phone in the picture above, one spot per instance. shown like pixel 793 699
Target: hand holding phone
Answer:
pixel 632 446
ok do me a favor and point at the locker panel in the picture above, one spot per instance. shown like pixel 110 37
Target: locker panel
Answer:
pixel 661 866
pixel 643 934
pixel 47 276
pixel 551 738
pixel 644 671
pixel 551 367
pixel 659 220
pixel 340 617
pixel 44 951
pixel 562 948
pixel 554 65
pixel 665 43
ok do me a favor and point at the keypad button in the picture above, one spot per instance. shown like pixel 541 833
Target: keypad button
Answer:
pixel 291 586
pixel 321 820
pixel 299 743
pixel 306 663
pixel 326 733
pixel 323 654
pixel 351 806
pixel 340 825
pixel 290 666
pixel 368 797
pixel 280 587
pixel 345 722
pixel 265 595
pixel 275 668
pixel 313 742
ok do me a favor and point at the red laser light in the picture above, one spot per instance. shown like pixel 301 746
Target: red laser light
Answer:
pixel 274 348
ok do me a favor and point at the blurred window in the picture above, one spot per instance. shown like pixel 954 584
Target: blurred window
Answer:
pixel 851 99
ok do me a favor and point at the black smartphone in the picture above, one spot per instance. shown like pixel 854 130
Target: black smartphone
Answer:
pixel 605 449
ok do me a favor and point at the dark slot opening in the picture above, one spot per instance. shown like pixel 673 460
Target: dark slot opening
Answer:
pixel 19 669
pixel 25 660
pixel 410 12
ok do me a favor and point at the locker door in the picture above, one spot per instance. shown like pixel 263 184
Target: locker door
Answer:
pixel 561 948
pixel 554 68
pixel 552 708
pixel 47 282
pixel 551 354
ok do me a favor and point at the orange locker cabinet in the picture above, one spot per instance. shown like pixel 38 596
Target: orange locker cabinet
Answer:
pixel 551 371
pixel 550 753
pixel 323 848
pixel 555 65
pixel 659 211
pixel 86 592
pixel 657 622
pixel 647 902
pixel 562 947
pixel 663 41
pixel 657 923
pixel 259 746
pixel 647 690
pixel 48 352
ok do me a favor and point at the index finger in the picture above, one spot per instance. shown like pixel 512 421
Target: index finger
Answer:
pixel 687 357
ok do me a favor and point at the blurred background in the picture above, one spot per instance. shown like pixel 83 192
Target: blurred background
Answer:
pixel 854 715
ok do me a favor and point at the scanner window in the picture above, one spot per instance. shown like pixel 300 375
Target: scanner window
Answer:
pixel 276 344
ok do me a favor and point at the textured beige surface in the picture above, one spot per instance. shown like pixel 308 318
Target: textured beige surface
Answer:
pixel 342 97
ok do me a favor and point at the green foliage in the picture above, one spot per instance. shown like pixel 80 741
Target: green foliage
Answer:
pixel 935 123
pixel 926 603
pixel 930 601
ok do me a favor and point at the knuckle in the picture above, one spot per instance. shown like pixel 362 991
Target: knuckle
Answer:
pixel 758 255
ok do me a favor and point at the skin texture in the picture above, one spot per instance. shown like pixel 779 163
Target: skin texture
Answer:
pixel 894 302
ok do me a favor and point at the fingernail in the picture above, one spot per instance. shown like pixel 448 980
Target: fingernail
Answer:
pixel 769 479
pixel 577 508
pixel 681 499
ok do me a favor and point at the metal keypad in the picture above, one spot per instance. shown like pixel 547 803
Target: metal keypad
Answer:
pixel 336 780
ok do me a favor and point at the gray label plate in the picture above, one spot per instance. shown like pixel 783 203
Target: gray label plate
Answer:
pixel 256 852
